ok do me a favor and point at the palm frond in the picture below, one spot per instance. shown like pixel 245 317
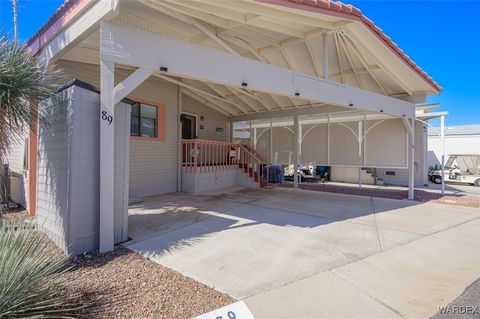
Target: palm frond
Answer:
pixel 25 84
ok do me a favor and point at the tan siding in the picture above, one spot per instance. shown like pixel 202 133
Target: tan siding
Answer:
pixel 153 164
pixel 212 120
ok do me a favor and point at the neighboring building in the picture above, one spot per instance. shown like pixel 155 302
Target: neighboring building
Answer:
pixel 313 152
pixel 154 94
pixel 463 139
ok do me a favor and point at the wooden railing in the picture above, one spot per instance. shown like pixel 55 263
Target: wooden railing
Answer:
pixel 209 156
pixel 254 152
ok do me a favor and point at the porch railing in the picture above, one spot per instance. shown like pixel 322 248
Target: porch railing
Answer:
pixel 209 156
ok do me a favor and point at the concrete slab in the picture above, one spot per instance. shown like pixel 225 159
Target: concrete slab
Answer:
pixel 244 249
pixel 423 218
pixel 423 275
pixel 411 281
pixel 329 205
pixel 308 254
pixel 325 295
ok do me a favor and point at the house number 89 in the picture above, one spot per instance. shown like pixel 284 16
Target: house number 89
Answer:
pixel 106 117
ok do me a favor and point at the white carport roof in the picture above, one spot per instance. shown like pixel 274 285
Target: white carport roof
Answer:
pixel 318 38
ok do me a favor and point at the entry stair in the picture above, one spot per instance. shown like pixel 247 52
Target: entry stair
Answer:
pixel 200 156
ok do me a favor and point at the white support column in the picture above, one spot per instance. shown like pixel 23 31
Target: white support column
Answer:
pixel 328 139
pixel 254 138
pixel 360 177
pixel 271 141
pixel 411 160
pixel 179 139
pixel 296 142
pixel 107 129
pixel 300 138
pixel 230 132
pixel 442 140
pixel 325 55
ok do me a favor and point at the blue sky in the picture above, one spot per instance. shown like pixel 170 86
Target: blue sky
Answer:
pixel 442 37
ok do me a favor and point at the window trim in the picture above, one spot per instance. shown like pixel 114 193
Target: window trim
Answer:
pixel 160 120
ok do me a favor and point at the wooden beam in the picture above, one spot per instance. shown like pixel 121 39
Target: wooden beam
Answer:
pixel 325 56
pixel 263 22
pixel 313 58
pixel 130 83
pixel 209 103
pixel 199 25
pixel 144 49
pixel 247 103
pixel 192 88
pixel 340 64
pixel 391 74
pixel 360 82
pixel 79 30
pixel 255 97
pixel 292 41
pixel 272 11
pixel 363 60
pixel 165 7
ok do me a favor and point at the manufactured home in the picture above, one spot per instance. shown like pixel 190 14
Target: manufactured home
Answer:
pixel 156 88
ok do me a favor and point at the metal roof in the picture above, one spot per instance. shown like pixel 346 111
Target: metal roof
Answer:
pixel 456 130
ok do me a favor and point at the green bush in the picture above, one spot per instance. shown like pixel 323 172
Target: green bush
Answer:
pixel 25 263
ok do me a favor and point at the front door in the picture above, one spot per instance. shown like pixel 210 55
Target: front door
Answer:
pixel 189 126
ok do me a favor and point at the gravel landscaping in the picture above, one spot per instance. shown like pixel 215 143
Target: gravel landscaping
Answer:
pixel 123 284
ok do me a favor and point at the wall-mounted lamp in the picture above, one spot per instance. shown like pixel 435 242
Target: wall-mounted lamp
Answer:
pixel 163 69
pixel 244 84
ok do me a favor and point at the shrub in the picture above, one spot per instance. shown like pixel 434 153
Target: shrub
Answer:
pixel 25 263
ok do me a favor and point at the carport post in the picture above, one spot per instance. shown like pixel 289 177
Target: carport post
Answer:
pixel 271 141
pixel 411 160
pixel 107 130
pixel 296 148
pixel 442 140
pixel 179 137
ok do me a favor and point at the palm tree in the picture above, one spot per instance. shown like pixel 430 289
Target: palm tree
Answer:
pixel 25 84
pixel 26 260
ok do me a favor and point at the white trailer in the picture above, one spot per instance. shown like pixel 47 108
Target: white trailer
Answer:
pixel 460 168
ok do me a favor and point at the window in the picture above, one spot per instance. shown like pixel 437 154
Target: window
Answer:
pixel 144 121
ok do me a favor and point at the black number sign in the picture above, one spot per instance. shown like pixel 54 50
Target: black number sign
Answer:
pixel 106 117
pixel 230 315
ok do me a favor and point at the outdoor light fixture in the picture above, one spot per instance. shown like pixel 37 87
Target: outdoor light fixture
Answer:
pixel 381 111
pixel 244 84
pixel 163 69
pixel 351 104
pixel 297 93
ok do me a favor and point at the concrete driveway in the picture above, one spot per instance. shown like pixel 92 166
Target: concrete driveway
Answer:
pixel 305 254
